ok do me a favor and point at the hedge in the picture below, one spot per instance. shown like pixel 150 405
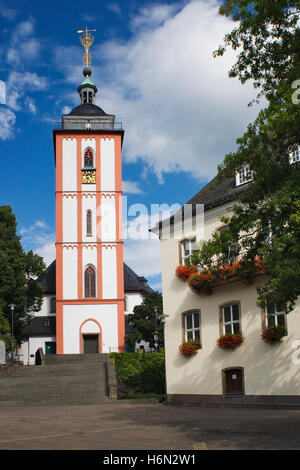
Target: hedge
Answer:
pixel 145 372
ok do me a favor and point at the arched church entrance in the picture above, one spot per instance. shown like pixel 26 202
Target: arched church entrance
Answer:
pixel 90 336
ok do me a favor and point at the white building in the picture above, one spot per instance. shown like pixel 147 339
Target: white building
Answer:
pixel 253 372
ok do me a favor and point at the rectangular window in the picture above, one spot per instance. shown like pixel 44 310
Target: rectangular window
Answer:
pixel 231 323
pixel 187 248
pixel 243 175
pixel 295 155
pixel 192 326
pixel 274 316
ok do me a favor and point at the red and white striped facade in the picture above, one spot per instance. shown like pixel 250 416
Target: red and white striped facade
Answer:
pixel 100 248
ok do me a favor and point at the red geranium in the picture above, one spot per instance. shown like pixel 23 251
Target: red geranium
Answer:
pixel 189 348
pixel 230 341
pixel 183 272
pixel 274 334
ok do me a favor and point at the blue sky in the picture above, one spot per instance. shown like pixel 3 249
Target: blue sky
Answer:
pixel 153 66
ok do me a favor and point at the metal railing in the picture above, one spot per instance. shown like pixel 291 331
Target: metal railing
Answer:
pixel 88 125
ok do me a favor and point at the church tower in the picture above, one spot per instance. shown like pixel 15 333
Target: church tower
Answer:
pixel 89 246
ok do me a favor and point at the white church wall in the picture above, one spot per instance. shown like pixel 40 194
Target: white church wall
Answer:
pixel 132 299
pixel 69 158
pixel 109 272
pixel 69 218
pixel 74 316
pixel 108 182
pixel 108 219
pixel 70 280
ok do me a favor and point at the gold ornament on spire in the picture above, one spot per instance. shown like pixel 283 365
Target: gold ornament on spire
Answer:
pixel 86 40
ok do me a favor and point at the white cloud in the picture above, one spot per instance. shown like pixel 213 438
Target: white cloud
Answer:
pixel 8 13
pixel 143 256
pixel 47 251
pixel 19 85
pixel 179 109
pixel 131 187
pixel 152 16
pixel 114 7
pixel 7 121
pixel 40 239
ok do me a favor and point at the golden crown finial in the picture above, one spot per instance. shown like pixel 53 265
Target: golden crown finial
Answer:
pixel 86 40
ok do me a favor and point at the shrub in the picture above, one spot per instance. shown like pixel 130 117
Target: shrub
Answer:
pixel 145 373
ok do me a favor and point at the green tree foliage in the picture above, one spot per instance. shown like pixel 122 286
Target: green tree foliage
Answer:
pixel 19 274
pixel 145 321
pixel 5 331
pixel 266 224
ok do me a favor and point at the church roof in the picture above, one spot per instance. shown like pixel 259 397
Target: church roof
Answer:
pixel 87 109
pixel 44 326
pixel 132 282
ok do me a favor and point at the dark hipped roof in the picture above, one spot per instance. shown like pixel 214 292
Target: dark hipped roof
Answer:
pixel 132 282
pixel 218 192
pixel 215 193
pixel 40 326
pixel 87 109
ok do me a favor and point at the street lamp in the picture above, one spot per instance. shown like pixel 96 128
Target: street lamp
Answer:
pixel 12 307
pixel 160 317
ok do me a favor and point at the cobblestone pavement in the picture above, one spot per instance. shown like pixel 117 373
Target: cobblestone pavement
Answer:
pixel 132 426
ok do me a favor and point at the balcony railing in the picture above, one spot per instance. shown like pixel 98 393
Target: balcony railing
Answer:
pixel 88 125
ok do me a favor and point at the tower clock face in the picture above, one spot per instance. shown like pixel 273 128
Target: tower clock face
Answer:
pixel 88 177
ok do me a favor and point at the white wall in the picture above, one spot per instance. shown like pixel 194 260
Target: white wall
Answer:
pixel 109 272
pixel 132 299
pixel 69 218
pixel 108 219
pixel 70 268
pixel 74 315
pixel 69 158
pixel 108 164
pixel 30 347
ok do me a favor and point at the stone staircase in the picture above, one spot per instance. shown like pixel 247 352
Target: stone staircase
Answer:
pixel 66 379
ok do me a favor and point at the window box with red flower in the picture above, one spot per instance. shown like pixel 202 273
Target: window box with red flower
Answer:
pixel 189 348
pixel 273 334
pixel 204 281
pixel 230 341
pixel 184 272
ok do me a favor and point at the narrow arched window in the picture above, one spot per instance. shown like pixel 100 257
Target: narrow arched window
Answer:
pixel 88 159
pixel 90 282
pixel 89 222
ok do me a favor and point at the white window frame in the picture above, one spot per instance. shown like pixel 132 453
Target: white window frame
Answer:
pixel 294 156
pixel 193 329
pixel 275 313
pixel 191 247
pixel 243 175
pixel 232 321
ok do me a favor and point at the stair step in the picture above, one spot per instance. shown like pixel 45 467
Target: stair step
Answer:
pixel 72 379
